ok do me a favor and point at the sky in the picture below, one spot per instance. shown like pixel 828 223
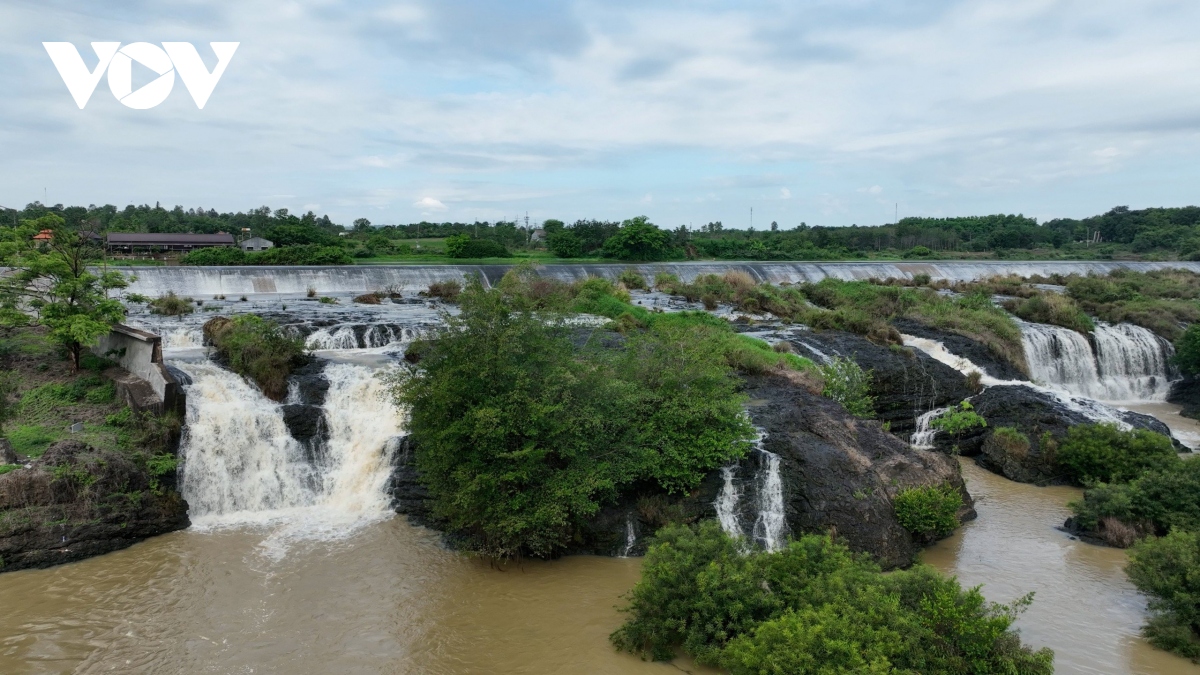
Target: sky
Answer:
pixel 829 113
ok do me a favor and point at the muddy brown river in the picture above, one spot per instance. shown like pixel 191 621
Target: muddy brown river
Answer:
pixel 389 599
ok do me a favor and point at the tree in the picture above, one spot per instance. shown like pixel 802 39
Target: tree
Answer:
pixel 638 239
pixel 362 225
pixel 1166 569
pixel 564 243
pixel 52 285
pixel 1187 350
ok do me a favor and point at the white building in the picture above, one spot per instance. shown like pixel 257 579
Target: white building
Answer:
pixel 256 244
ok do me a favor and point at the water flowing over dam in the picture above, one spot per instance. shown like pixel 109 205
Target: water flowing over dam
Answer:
pixel 212 281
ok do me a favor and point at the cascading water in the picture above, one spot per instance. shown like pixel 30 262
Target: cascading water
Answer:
pixel 239 458
pixel 1134 362
pixel 1129 363
pixel 922 438
pixel 1061 358
pixel 727 501
pixel 630 537
pixel 770 521
pixel 241 465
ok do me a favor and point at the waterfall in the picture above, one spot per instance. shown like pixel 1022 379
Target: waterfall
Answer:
pixel 1061 358
pixel 1134 362
pixel 1129 362
pixel 241 465
pixel 630 536
pixel 355 279
pixel 771 522
pixel 922 438
pixel 727 501
pixel 238 455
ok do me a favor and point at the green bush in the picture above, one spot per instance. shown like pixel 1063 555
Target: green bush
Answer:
pixel 813 607
pixel 171 304
pixel 1187 350
pixel 304 254
pixel 957 420
pixel 564 244
pixel 1155 502
pixel 521 435
pixel 638 239
pixel 1103 453
pixel 1052 308
pixel 219 255
pixel 463 246
pixel 632 279
pixel 846 383
pixel 257 349
pixel 1168 570
pixel 930 511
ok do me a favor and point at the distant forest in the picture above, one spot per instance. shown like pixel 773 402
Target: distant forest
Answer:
pixel 1155 233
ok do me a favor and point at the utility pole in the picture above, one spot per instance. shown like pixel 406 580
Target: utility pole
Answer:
pixel 752 217
pixel 896 219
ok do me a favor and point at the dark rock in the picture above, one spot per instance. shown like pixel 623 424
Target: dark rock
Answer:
pixel 409 496
pixel 1034 414
pixel 304 416
pixel 978 353
pixel 905 382
pixel 841 473
pixel 1186 393
pixel 76 502
pixel 7 454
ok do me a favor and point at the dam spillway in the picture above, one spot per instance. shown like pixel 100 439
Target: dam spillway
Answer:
pixel 256 280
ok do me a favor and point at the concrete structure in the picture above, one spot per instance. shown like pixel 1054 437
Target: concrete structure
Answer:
pixel 256 244
pixel 144 241
pixel 146 383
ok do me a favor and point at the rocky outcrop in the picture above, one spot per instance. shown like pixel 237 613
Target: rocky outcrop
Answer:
pixel 76 502
pixel 1037 417
pixel 961 346
pixel 1186 393
pixel 841 473
pixel 302 413
pixel 905 382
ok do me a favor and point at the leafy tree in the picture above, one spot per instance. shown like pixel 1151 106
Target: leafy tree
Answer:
pixel 1187 350
pixel 362 225
pixel 53 285
pixel 1104 453
pixel 521 435
pixel 564 243
pixel 638 239
pixel 813 607
pixel 1168 570
pixel 1154 502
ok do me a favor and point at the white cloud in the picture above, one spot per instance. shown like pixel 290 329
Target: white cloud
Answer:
pixel 971 107
pixel 429 204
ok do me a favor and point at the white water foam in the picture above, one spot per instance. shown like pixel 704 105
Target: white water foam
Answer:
pixel 1093 410
pixel 922 438
pixel 242 467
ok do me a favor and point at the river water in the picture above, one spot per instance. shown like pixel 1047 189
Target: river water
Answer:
pixel 297 569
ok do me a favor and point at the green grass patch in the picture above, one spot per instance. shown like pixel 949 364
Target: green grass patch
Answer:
pixel 31 440
pixel 8 468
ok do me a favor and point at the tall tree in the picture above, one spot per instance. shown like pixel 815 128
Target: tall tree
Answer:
pixel 54 284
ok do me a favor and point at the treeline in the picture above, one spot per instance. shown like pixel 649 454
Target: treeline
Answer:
pixel 1161 232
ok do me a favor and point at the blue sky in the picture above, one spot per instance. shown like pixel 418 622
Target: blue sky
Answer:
pixel 820 112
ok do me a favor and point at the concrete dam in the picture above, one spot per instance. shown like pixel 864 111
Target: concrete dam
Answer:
pixel 253 280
